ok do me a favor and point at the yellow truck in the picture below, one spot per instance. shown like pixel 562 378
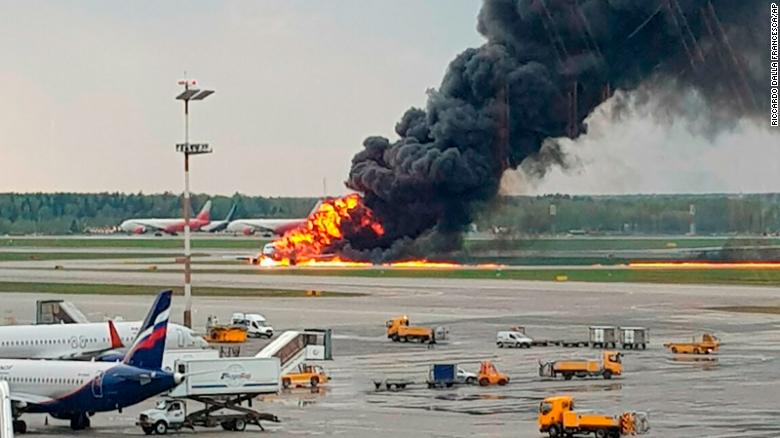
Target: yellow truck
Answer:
pixel 611 365
pixel 708 343
pixel 558 418
pixel 399 330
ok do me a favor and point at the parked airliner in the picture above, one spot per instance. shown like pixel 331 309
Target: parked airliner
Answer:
pixel 72 390
pixel 170 226
pixel 268 227
pixel 83 341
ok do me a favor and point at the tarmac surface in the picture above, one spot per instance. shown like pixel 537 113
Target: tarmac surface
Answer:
pixel 734 393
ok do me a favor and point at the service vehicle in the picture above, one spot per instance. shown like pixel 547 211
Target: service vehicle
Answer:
pixel 305 375
pixel 224 333
pixel 708 343
pixel 223 386
pixel 449 374
pixel 611 365
pixel 513 339
pixel 558 418
pixel 399 330
pixel 256 325
pixel 490 375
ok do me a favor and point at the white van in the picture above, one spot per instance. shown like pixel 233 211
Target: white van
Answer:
pixel 255 323
pixel 513 339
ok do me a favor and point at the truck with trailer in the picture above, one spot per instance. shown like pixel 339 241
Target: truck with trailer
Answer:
pixel 515 339
pixel 558 418
pixel 399 330
pixel 611 365
pixel 708 343
pixel 222 386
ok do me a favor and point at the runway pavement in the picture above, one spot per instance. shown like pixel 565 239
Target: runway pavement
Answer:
pixel 735 393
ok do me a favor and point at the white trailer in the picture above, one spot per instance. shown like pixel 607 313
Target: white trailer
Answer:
pixel 222 386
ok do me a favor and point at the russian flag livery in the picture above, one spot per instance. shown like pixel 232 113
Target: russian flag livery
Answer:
pixel 149 345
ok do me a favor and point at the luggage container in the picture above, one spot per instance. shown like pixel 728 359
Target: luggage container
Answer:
pixel 603 336
pixel 633 338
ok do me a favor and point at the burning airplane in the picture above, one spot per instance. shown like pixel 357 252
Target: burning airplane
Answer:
pixel 545 66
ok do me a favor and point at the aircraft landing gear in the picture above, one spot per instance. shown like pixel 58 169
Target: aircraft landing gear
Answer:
pixel 80 422
pixel 20 427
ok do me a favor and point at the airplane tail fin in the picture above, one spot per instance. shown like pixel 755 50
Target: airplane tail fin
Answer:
pixel 116 341
pixel 149 346
pixel 205 212
pixel 231 213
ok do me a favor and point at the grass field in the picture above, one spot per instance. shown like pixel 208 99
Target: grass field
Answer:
pixel 46 256
pixel 127 289
pixel 758 277
pixel 163 243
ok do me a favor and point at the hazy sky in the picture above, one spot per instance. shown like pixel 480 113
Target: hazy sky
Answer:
pixel 87 88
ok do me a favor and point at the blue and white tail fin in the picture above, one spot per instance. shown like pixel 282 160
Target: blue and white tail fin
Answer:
pixel 149 346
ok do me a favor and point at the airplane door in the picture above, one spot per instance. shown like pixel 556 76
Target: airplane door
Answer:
pixel 97 386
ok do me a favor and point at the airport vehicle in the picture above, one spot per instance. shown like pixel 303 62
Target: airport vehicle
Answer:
pixel 708 343
pixel 224 333
pixel 170 357
pixel 267 227
pixel 633 338
pixel 217 226
pixel 513 339
pixel 558 418
pixel 490 375
pixel 75 390
pixel 256 325
pixel 610 365
pixel 6 412
pixel 305 375
pixel 293 348
pixel 169 226
pixel 603 336
pixel 447 375
pixel 399 330
pixel 222 386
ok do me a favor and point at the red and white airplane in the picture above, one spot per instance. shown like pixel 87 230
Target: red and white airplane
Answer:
pixel 268 227
pixel 170 226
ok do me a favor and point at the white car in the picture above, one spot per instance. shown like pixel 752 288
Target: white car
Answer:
pixel 463 376
pixel 513 339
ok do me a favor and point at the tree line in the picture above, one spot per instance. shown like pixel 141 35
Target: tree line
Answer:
pixel 61 213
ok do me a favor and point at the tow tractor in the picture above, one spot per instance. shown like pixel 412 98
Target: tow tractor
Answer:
pixel 558 418
pixel 709 343
pixel 223 386
pixel 490 375
pixel 610 365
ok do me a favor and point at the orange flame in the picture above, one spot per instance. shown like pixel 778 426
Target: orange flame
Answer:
pixel 324 228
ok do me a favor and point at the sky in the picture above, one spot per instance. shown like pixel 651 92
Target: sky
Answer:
pixel 87 100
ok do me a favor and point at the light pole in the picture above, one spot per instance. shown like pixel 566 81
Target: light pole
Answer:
pixel 187 148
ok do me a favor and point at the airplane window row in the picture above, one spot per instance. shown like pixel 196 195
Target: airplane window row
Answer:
pixel 44 342
pixel 44 380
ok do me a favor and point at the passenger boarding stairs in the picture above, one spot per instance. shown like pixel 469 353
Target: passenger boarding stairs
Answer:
pixel 296 347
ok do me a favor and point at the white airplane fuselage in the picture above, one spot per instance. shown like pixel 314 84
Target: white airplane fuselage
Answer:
pixel 62 341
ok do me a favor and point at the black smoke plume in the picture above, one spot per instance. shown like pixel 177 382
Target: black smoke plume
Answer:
pixel 544 68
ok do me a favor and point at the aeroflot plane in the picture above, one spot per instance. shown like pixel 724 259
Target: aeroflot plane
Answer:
pixel 73 391
pixel 83 341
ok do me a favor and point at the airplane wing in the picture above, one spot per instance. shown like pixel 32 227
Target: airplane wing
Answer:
pixel 25 399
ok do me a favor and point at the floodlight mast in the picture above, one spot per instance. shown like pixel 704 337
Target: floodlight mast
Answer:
pixel 189 93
